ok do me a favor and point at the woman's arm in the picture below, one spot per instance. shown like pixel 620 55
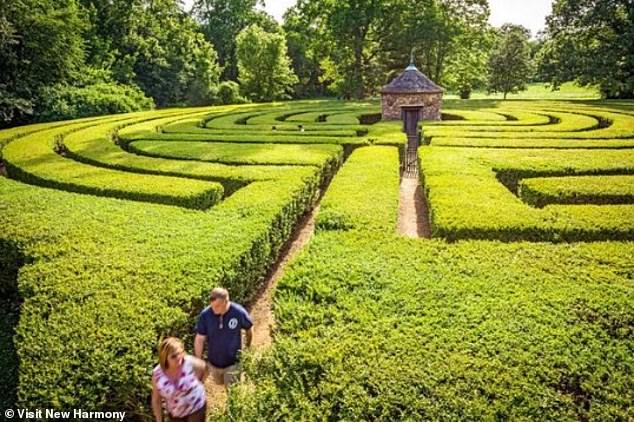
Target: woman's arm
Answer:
pixel 156 402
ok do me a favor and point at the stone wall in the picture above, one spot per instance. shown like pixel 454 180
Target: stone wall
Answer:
pixel 391 105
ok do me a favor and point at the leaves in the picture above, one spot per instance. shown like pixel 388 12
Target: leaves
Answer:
pixel 263 65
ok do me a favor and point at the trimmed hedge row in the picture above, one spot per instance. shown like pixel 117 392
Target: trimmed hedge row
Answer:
pixel 254 124
pixel 577 190
pixel 309 116
pixel 7 135
pixel 533 143
pixel 32 159
pixel 516 118
pixel 98 295
pixel 93 147
pixel 563 122
pixel 468 195
pixel 157 125
pixel 227 153
pixel 597 124
pixel 375 327
pixel 364 194
pixel 255 137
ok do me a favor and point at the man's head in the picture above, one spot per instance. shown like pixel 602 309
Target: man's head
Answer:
pixel 219 300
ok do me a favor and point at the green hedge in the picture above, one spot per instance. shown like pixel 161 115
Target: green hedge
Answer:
pixel 558 122
pixel 577 190
pixel 263 154
pixel 471 194
pixel 255 137
pixel 7 135
pixel 581 123
pixel 476 118
pixel 32 159
pixel 62 102
pixel 365 192
pixel 95 148
pixel 534 143
pixel 375 327
pixel 107 278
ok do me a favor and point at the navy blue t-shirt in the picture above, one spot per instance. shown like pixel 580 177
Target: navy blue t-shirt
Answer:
pixel 224 339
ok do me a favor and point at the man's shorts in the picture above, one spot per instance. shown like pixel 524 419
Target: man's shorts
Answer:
pixel 227 376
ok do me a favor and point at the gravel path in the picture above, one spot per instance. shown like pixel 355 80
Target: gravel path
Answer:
pixel 261 309
pixel 413 216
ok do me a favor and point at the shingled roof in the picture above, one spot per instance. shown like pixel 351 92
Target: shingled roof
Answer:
pixel 411 81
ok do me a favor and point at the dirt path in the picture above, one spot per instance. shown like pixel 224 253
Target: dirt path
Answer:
pixel 260 309
pixel 413 216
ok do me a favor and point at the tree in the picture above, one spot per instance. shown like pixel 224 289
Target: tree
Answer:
pixel 466 65
pixel 222 20
pixel 40 44
pixel 592 42
pixel 466 71
pixel 356 46
pixel 263 64
pixel 303 40
pixel 510 67
pixel 154 45
pixel 442 32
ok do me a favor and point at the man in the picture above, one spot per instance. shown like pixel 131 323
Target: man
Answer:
pixel 219 325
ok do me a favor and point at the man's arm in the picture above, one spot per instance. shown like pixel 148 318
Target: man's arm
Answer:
pixel 199 344
pixel 200 367
pixel 249 339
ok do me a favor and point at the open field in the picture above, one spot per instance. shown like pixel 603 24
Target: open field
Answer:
pixel 542 91
pixel 520 306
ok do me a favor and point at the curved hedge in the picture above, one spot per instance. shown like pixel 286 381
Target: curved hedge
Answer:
pixel 109 291
pixel 375 327
pixel 32 159
pixel 468 194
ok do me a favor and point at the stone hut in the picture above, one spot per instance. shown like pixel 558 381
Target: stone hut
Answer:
pixel 411 87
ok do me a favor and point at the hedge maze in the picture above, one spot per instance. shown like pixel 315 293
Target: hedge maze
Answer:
pixel 114 229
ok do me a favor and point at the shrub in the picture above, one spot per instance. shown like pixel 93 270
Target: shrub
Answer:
pixel 472 194
pixel 240 153
pixel 62 102
pixel 32 159
pixel 370 326
pixel 229 93
pixel 100 294
pixel 577 190
pixel 364 194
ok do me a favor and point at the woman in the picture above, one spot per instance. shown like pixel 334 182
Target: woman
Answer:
pixel 178 381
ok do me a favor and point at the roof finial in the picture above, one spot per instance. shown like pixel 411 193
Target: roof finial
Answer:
pixel 411 66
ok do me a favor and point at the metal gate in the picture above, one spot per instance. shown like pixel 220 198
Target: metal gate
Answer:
pixel 411 116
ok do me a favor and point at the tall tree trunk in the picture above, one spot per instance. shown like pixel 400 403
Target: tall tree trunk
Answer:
pixel 358 69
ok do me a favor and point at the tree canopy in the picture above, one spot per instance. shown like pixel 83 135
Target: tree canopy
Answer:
pixel 154 52
pixel 263 65
pixel 358 45
pixel 592 42
pixel 510 66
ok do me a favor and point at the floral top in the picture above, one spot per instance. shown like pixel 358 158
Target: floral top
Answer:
pixel 184 396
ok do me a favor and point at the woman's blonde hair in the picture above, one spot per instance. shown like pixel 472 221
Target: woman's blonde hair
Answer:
pixel 169 346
